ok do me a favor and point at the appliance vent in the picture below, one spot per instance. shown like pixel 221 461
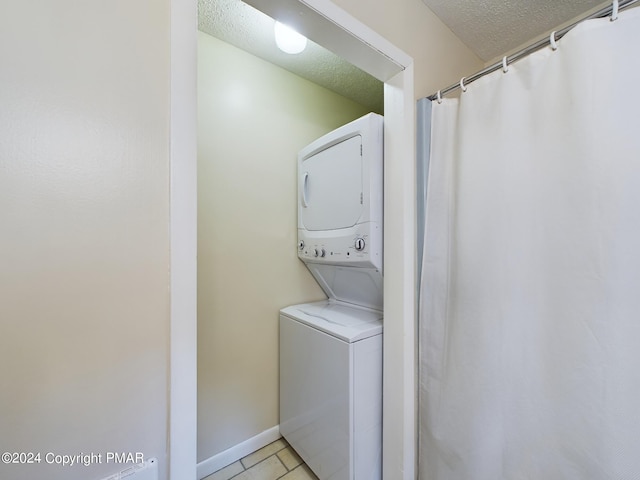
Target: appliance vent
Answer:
pixel 147 470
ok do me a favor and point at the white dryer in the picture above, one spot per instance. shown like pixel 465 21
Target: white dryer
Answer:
pixel 331 351
pixel 340 207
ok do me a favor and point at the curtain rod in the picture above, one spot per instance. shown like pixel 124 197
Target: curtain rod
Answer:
pixel 604 12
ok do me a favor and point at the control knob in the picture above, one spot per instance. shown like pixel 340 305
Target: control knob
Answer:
pixel 359 244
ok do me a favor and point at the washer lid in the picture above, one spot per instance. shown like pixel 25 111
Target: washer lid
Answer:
pixel 349 323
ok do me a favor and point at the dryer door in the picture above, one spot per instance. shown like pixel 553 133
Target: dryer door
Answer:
pixel 330 186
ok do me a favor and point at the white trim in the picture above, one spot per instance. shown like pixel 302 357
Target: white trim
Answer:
pixel 399 366
pixel 332 27
pixel 182 434
pixel 235 453
pixel 365 35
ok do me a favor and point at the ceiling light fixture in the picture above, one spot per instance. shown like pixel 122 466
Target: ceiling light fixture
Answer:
pixel 288 40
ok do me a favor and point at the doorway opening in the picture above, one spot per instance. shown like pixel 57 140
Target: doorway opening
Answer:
pixel 328 25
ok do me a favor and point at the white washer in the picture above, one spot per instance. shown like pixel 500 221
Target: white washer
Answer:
pixel 331 388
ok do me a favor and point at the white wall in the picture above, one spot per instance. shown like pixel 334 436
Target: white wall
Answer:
pixel 84 249
pixel 253 118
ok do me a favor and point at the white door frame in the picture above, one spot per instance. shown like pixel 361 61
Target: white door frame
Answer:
pixel 183 224
pixel 329 26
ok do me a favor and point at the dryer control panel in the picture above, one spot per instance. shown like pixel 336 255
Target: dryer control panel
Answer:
pixel 357 248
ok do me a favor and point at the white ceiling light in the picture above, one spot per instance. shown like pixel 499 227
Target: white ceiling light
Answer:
pixel 288 40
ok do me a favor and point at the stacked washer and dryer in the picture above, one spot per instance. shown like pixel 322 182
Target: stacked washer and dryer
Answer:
pixel 331 351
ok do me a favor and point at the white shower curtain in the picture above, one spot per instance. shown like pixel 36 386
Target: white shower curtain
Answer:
pixel 530 294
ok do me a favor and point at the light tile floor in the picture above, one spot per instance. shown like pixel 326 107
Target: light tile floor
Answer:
pixel 276 461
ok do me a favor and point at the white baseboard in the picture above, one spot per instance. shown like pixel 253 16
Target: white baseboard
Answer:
pixel 235 453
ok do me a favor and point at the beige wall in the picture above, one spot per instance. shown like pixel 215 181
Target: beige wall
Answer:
pixel 84 250
pixel 440 58
pixel 253 118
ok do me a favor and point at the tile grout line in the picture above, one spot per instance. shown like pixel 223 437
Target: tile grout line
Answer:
pixel 285 446
pixel 274 454
pixel 289 471
pixel 287 468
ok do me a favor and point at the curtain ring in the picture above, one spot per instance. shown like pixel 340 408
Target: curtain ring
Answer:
pixel 505 65
pixel 439 97
pixel 552 41
pixel 464 89
pixel 614 11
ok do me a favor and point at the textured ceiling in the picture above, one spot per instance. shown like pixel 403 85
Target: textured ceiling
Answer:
pixel 245 27
pixel 493 28
pixel 490 28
